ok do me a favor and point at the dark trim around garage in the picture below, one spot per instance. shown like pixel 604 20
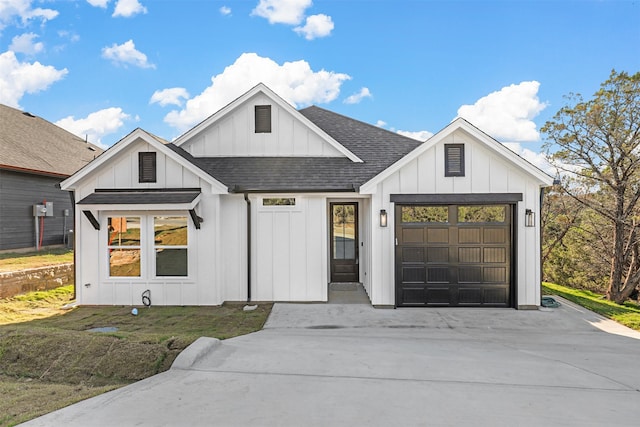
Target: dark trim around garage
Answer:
pixel 446 199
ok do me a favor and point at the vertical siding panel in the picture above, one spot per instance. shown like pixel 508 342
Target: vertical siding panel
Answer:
pixel 264 257
pixel 298 255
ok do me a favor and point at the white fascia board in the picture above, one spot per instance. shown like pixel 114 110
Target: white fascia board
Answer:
pixel 459 123
pixel 262 88
pixel 71 182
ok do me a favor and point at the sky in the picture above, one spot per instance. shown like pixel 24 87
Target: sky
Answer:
pixel 101 68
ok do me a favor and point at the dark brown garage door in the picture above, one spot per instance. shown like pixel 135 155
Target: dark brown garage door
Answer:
pixel 453 255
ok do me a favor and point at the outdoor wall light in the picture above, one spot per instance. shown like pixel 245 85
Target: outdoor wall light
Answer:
pixel 383 218
pixel 529 218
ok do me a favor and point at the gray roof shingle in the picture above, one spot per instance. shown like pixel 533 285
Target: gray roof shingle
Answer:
pixel 33 144
pixel 378 148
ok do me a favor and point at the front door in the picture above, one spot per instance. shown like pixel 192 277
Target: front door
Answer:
pixel 344 242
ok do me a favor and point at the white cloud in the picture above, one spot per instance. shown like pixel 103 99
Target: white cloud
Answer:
pixel 25 44
pixel 316 26
pixel 224 10
pixel 174 95
pixel 421 135
pixel 128 8
pixel 294 81
pixel 357 97
pixel 508 113
pixel 99 3
pixel 537 159
pixel 22 9
pixel 18 78
pixel 126 54
pixel 96 125
pixel 381 123
pixel 282 11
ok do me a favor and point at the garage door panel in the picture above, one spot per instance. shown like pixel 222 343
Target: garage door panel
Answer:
pixel 437 235
pixel 413 274
pixel 470 274
pixel 494 255
pixel 438 254
pixel 469 255
pixel 456 263
pixel 469 235
pixel 495 235
pixel 494 275
pixel 413 235
pixel 413 254
pixel 438 275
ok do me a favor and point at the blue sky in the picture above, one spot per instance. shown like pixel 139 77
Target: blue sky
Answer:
pixel 104 67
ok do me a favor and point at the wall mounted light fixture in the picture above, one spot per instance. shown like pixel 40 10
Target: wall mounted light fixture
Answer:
pixel 383 218
pixel 529 218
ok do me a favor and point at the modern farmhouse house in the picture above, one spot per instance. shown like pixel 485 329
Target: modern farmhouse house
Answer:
pixel 262 202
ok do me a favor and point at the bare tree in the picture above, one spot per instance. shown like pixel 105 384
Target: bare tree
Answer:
pixel 596 143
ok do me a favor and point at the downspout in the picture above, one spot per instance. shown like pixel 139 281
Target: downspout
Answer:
pixel 246 199
pixel 72 196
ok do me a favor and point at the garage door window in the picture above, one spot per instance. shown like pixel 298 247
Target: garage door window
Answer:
pixel 425 214
pixel 490 214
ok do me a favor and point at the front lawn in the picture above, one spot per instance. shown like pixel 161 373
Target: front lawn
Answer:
pixel 627 314
pixel 50 358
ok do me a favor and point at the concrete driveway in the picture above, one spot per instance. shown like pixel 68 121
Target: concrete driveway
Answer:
pixel 353 365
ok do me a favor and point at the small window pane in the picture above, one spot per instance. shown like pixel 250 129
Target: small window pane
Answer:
pixel 482 213
pixel 124 231
pixel 344 231
pixel 425 214
pixel 279 201
pixel 170 230
pixel 171 262
pixel 124 262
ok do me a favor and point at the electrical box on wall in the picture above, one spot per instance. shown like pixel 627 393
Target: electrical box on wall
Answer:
pixel 43 210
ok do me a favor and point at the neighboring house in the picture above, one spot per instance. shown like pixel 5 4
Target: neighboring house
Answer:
pixel 261 202
pixel 35 156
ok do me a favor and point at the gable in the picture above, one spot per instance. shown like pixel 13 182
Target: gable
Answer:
pixel 118 168
pixel 488 165
pixel 232 131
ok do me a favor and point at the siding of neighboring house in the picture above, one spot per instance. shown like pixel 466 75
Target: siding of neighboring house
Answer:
pixel 18 193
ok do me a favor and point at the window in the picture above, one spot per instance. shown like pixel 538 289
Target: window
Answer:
pixel 263 118
pixel 482 213
pixel 147 167
pixel 279 201
pixel 124 246
pixel 425 214
pixel 454 160
pixel 170 245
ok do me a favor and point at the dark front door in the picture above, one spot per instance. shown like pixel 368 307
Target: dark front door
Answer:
pixel 344 242
pixel 453 255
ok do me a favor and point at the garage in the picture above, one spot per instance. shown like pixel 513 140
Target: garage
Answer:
pixel 454 255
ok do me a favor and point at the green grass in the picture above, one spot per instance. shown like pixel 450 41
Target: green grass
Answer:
pixel 627 314
pixel 11 261
pixel 49 358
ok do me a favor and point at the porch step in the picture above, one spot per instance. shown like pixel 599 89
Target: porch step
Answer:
pixel 347 293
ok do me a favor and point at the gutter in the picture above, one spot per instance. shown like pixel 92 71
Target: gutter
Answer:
pixel 246 199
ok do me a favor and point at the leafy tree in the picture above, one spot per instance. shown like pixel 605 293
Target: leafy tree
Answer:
pixel 597 147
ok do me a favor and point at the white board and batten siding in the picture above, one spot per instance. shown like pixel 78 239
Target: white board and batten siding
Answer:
pixel 234 135
pixel 94 286
pixel 486 171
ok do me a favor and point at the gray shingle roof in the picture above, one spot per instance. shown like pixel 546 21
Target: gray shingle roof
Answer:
pixel 141 197
pixel 378 148
pixel 33 144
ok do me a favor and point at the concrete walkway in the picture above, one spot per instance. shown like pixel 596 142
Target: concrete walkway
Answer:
pixel 352 365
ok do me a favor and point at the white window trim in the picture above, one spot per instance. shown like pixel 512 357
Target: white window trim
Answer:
pixel 147 248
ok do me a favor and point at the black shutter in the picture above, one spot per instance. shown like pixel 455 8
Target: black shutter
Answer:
pixel 146 167
pixel 454 160
pixel 263 118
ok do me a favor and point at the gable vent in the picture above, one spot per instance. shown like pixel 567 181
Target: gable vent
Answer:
pixel 263 118
pixel 147 167
pixel 454 160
